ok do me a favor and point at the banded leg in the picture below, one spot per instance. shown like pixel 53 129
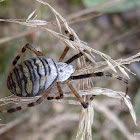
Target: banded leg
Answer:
pixel 67 49
pixel 37 102
pixel 84 104
pixel 27 46
pixel 106 74
pixel 60 93
pixel 75 57
pixel 64 53
pixel 70 35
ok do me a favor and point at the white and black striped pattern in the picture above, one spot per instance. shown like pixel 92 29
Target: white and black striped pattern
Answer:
pixel 32 77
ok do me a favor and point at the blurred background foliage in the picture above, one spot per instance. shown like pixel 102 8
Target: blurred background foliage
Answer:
pixel 116 32
pixel 120 7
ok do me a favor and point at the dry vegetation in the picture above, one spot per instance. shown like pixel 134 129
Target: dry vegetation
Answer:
pixel 110 48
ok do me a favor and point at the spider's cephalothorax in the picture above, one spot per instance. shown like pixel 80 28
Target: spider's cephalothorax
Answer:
pixel 36 76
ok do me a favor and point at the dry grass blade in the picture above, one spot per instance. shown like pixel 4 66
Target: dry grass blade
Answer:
pixel 113 117
pixel 57 15
pixel 73 44
pixel 53 121
pixel 123 71
pixel 86 119
pixel 131 109
pixel 85 124
pixel 17 35
pixel 103 91
pixel 112 94
pixel 31 15
pixel 101 66
pixel 31 22
pixel 77 43
pixel 111 66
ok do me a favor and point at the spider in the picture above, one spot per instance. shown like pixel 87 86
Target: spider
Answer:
pixel 36 76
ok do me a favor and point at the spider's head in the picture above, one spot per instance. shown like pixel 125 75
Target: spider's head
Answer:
pixel 64 71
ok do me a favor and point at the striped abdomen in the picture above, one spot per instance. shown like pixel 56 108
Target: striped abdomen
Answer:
pixel 32 77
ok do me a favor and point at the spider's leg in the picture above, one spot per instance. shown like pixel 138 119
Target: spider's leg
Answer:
pixel 37 102
pixel 74 57
pixel 84 104
pixel 60 93
pixel 106 74
pixel 92 97
pixel 64 53
pixel 71 37
pixel 27 46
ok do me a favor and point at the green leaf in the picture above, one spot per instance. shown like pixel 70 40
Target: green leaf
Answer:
pixel 119 7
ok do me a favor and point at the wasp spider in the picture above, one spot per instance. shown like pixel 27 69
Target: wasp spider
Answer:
pixel 36 76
